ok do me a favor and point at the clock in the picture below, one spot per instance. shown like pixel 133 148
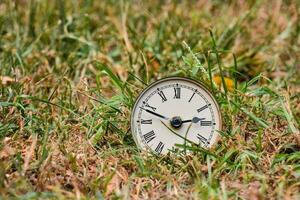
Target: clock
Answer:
pixel 173 113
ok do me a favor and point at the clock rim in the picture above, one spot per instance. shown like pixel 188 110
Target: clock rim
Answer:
pixel 200 84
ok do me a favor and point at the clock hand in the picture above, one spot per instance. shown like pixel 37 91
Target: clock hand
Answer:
pixel 194 120
pixel 154 113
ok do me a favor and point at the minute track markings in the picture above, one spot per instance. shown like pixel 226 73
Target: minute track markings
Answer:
pixel 193 95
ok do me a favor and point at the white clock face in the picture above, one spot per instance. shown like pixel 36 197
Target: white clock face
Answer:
pixel 175 112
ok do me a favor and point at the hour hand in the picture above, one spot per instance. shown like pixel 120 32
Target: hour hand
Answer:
pixel 194 120
pixel 154 113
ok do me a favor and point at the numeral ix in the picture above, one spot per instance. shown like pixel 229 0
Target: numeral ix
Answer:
pixel 146 121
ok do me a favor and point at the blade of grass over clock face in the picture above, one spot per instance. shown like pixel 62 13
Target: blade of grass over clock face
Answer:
pixel 185 136
pixel 195 146
pixel 182 137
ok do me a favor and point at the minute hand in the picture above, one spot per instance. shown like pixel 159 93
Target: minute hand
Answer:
pixel 154 113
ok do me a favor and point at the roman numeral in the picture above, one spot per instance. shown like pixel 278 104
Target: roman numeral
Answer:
pixel 202 139
pixel 205 123
pixel 149 136
pixel 159 148
pixel 147 105
pixel 146 121
pixel 203 108
pixel 177 92
pixel 192 96
pixel 162 95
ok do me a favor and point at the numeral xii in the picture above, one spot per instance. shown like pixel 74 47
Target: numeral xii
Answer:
pixel 177 91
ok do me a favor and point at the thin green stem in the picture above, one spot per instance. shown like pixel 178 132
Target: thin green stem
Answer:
pixel 177 133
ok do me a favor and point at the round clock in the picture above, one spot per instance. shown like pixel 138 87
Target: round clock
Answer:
pixel 173 113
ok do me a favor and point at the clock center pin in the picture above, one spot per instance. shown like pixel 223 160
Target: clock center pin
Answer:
pixel 176 122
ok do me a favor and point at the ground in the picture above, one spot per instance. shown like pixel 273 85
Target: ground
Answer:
pixel 71 70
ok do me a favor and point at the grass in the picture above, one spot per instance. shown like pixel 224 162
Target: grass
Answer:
pixel 70 72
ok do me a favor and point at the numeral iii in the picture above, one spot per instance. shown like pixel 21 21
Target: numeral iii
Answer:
pixel 205 123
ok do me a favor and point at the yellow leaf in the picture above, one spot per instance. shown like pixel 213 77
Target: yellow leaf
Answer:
pixel 228 81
